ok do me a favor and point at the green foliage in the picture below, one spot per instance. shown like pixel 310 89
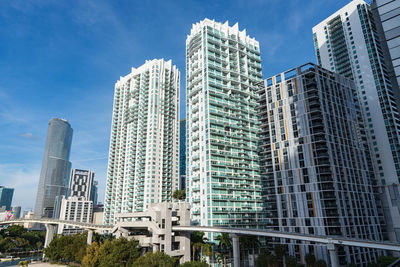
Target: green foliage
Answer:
pixel 249 242
pixel 195 264
pixel 279 251
pixel 224 241
pixel 310 260
pixel 92 257
pixel 119 252
pixel 17 238
pixel 320 263
pixel 197 242
pixel 23 263
pixel 290 261
pixel 70 248
pixel 386 260
pixel 154 260
pixel 179 194
pixel 262 259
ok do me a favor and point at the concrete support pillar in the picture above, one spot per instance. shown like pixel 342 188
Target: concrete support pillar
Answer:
pixel 49 234
pixel 185 247
pixel 333 255
pixel 89 237
pixel 236 250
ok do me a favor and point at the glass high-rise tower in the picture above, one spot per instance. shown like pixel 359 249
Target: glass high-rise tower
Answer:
pixel 6 196
pixel 347 42
pixel 54 175
pixel 222 173
pixel 143 164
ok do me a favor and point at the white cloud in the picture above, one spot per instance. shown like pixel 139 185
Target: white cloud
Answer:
pixel 24 179
pixel 28 136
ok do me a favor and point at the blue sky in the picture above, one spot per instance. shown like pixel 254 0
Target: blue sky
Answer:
pixel 62 59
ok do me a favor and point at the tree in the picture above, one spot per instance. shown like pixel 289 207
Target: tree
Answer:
pixel 197 241
pixel 279 251
pixel 70 248
pixel 91 258
pixel 249 243
pixel 195 264
pixel 320 263
pixel 224 245
pixel 156 259
pixel 208 249
pixel 272 261
pixel 119 252
pixel 262 259
pixel 310 260
pixel 179 194
pixel 385 260
pixel 290 261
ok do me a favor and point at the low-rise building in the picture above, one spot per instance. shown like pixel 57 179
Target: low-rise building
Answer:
pixel 153 228
pixel 76 209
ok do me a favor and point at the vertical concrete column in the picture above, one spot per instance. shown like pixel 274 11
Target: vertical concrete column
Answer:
pixel 89 237
pixel 236 250
pixel 49 234
pixel 333 254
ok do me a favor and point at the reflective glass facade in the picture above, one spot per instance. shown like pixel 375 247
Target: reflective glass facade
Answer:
pixel 54 175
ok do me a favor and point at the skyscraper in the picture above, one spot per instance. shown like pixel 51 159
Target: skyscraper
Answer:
pixel 54 176
pixel 314 166
pixel 143 165
pixel 182 154
pixel 81 184
pixel 6 196
pixel 387 20
pixel 223 182
pixel 387 17
pixel 347 42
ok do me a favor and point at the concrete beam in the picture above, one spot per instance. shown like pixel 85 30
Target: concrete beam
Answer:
pixel 295 236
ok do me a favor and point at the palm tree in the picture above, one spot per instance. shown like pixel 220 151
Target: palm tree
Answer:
pixel 310 260
pixel 224 245
pixel 279 251
pixel 249 242
pixel 197 247
pixel 197 241
pixel 208 250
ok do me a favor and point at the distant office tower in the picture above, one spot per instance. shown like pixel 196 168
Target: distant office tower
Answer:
pixel 6 196
pixel 54 176
pixel 81 183
pixel 313 163
pixel 347 43
pixel 182 154
pixel 77 209
pixel 143 165
pixel 387 17
pixel 94 192
pixel 17 212
pixel 223 181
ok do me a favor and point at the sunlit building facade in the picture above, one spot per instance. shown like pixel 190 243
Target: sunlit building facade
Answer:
pixel 223 183
pixel 143 165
